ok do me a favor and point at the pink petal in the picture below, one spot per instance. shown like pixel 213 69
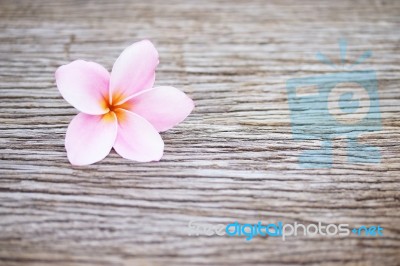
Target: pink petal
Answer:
pixel 90 137
pixel 137 139
pixel 84 85
pixel 164 107
pixel 133 71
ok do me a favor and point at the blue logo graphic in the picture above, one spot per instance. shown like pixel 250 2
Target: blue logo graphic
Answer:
pixel 340 104
pixel 281 230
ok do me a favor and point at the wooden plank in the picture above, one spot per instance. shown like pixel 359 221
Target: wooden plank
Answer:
pixel 233 159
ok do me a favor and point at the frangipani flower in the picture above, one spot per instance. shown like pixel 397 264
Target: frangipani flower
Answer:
pixel 120 110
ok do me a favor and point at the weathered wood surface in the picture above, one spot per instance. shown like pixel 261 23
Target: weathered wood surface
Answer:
pixel 233 159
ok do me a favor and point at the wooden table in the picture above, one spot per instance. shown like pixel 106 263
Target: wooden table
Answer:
pixel 233 159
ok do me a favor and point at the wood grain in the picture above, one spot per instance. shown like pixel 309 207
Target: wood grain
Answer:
pixel 233 159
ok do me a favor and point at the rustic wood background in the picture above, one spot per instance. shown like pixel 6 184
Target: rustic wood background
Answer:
pixel 233 159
